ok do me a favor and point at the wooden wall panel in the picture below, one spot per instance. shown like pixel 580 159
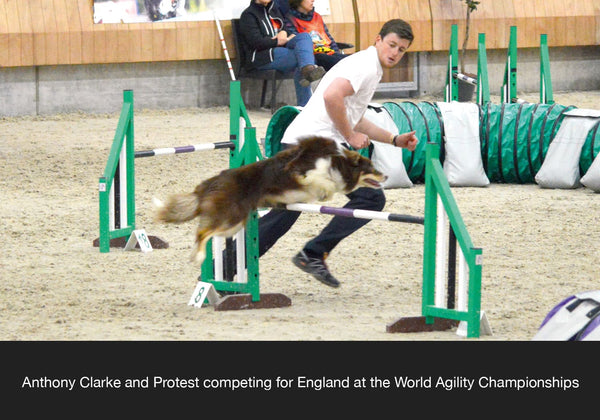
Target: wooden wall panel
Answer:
pixel 490 18
pixel 134 40
pixel 37 26
pixel 495 26
pixel 99 36
pixel 444 14
pixel 341 22
pixel 596 13
pixel 63 40
pixel 4 36
pixel 566 22
pixel 374 13
pixel 583 23
pixel 164 41
pixel 110 52
pixel 186 45
pixel 146 39
pixel 14 33
pixel 86 23
pixel 369 15
pixel 47 32
pixel 524 20
pixel 544 19
pixel 210 37
pixel 27 58
pixel 122 45
pixel 419 17
pixel 50 31
pixel 74 32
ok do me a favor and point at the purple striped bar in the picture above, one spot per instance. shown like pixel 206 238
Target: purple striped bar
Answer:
pixel 185 149
pixel 356 213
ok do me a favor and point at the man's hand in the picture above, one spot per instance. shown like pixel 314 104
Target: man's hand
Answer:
pixel 407 140
pixel 282 38
pixel 358 140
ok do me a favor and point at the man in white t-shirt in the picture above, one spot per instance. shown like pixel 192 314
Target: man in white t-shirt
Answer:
pixel 336 111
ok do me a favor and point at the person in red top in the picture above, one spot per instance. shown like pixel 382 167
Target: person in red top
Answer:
pixel 301 18
pixel 269 46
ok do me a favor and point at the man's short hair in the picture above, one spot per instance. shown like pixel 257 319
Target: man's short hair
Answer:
pixel 398 27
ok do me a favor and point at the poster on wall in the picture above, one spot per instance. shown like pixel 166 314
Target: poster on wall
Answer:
pixel 135 11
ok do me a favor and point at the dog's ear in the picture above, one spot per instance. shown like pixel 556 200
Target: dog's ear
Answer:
pixel 353 157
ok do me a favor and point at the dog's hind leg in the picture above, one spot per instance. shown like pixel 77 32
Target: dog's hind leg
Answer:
pixel 199 251
pixel 204 234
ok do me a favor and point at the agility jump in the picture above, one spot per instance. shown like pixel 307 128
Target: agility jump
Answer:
pixel 508 91
pixel 117 200
pixel 117 184
pixel 438 309
pixel 448 299
pixel 185 149
pixel 444 305
pixel 355 213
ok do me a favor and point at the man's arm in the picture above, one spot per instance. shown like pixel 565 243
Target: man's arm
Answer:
pixel 334 97
pixel 358 137
pixel 373 131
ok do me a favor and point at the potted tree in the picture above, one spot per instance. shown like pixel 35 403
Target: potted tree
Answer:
pixel 466 90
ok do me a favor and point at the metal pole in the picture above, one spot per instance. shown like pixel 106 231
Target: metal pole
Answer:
pixel 224 46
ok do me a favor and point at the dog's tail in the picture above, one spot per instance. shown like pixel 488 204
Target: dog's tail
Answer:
pixel 179 208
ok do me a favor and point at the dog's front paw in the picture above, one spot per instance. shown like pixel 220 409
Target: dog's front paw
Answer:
pixel 324 194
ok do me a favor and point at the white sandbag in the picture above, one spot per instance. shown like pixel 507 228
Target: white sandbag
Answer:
pixel 463 165
pixel 591 179
pixel 386 158
pixel 582 112
pixel 561 165
pixel 388 161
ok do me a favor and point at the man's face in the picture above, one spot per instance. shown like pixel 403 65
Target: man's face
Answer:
pixel 390 49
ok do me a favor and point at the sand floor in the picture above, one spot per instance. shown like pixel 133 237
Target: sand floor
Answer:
pixel 539 245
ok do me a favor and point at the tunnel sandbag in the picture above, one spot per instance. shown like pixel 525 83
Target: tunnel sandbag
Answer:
pixel 387 158
pixel 591 178
pixel 403 123
pixel 561 165
pixel 462 164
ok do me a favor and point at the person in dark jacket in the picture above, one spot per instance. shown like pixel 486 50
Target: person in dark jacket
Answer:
pixel 283 6
pixel 302 17
pixel 269 46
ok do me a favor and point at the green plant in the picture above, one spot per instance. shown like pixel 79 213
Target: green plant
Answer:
pixel 471 6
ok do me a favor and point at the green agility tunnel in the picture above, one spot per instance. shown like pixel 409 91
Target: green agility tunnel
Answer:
pixel 514 137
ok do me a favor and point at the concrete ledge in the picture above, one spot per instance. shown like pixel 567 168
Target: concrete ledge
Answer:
pixel 97 88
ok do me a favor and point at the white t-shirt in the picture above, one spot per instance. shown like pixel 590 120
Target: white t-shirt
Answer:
pixel 364 72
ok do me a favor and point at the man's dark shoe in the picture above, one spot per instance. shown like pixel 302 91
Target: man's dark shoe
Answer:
pixel 316 267
pixel 311 73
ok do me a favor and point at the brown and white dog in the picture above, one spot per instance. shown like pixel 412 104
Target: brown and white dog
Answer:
pixel 313 170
